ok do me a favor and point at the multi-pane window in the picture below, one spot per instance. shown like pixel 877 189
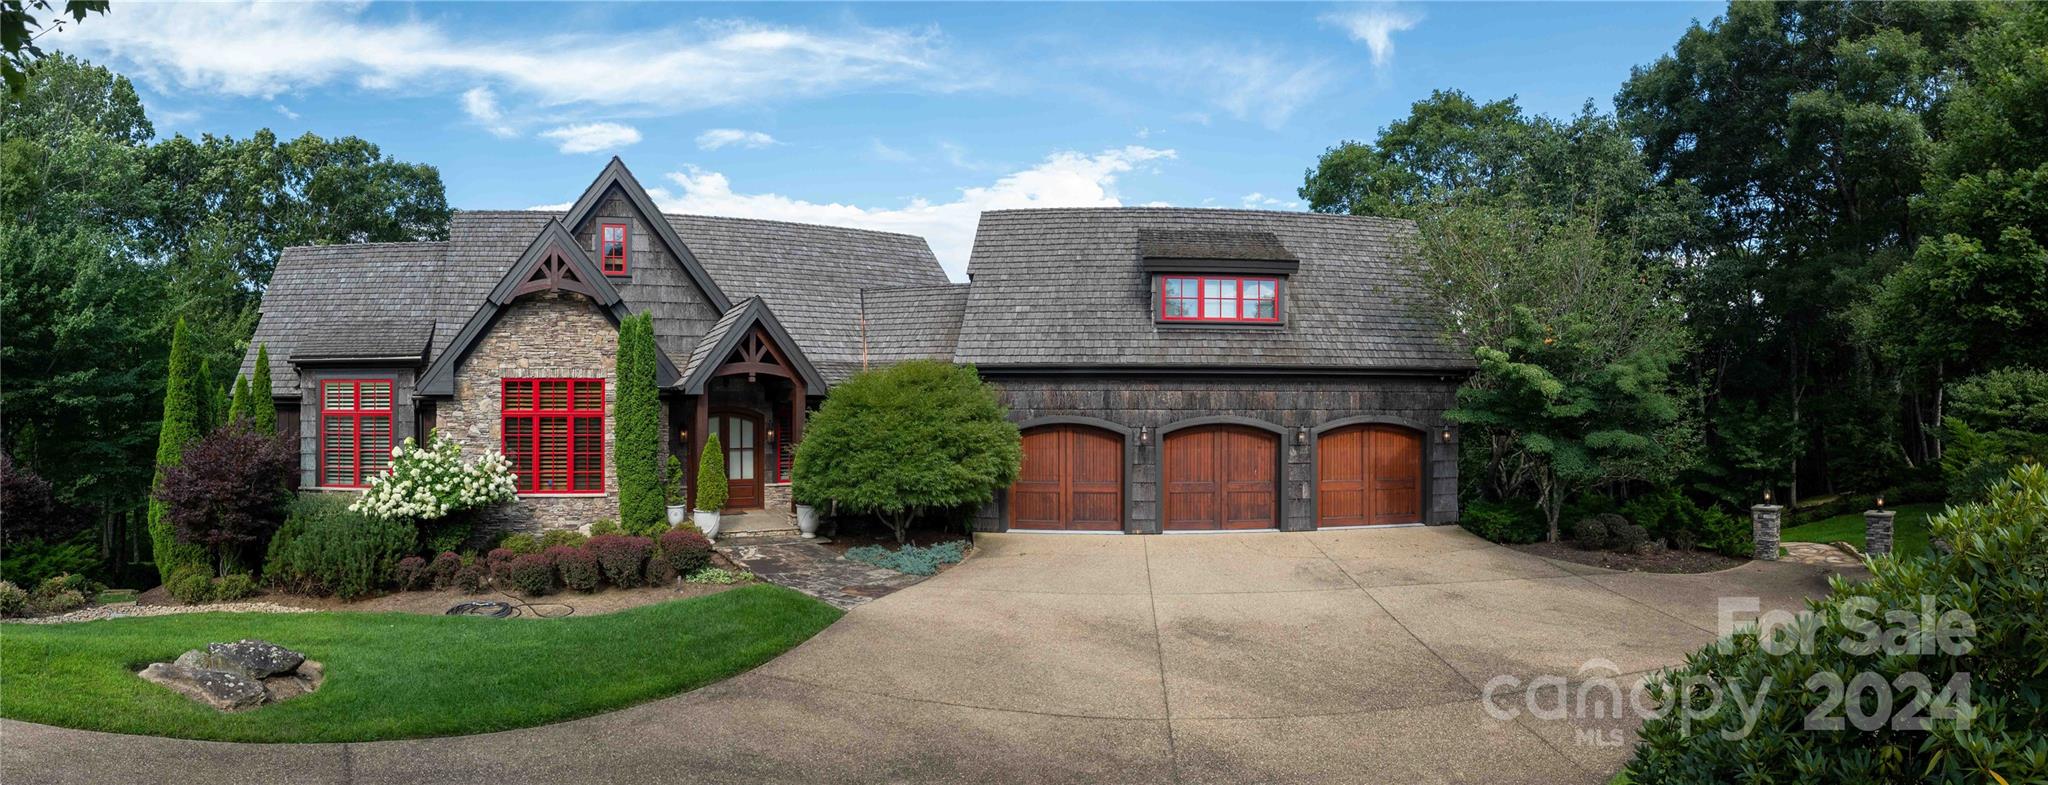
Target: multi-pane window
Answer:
pixel 355 431
pixel 1190 298
pixel 611 248
pixel 554 434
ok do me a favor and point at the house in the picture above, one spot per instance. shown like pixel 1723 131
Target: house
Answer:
pixel 1170 369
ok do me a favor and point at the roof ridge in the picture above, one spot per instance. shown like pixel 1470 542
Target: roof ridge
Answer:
pixel 1198 210
pixel 780 222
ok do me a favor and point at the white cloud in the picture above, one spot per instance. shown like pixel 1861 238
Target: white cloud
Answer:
pixel 482 106
pixel 286 111
pixel 1248 85
pixel 592 137
pixel 553 208
pixel 723 137
pixel 884 152
pixel 1375 27
pixel 1063 179
pixel 263 49
pixel 1259 201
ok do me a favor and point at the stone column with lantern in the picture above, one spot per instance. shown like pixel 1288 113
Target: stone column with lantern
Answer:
pixel 1877 529
pixel 1765 520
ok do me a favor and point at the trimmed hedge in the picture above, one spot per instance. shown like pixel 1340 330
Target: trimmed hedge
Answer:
pixel 636 429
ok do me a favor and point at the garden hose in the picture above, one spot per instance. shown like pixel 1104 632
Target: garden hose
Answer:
pixel 500 609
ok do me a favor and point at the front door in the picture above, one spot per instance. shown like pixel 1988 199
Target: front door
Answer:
pixel 741 436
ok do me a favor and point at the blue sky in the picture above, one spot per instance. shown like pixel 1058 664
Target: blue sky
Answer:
pixel 904 117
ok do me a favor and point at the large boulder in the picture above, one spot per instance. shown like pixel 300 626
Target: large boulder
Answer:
pixel 224 690
pixel 255 659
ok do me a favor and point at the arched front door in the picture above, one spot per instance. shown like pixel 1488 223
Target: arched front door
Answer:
pixel 1368 475
pixel 1072 478
pixel 740 433
pixel 1221 477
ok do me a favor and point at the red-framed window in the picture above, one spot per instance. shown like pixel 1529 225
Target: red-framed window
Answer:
pixel 355 431
pixel 1206 298
pixel 554 434
pixel 611 248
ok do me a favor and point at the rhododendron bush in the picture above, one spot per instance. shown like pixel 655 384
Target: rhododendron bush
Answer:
pixel 433 481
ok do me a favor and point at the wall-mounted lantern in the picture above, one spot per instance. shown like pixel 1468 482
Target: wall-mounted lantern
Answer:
pixel 1301 434
pixel 1446 434
pixel 1144 435
pixel 684 434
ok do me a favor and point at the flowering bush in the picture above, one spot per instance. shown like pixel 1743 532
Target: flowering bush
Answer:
pixel 622 558
pixel 433 482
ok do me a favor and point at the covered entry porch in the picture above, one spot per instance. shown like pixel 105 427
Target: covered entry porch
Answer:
pixel 749 385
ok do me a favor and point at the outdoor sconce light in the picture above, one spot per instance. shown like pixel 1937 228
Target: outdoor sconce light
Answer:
pixel 1767 496
pixel 1144 435
pixel 685 434
pixel 1445 435
pixel 771 435
pixel 1301 434
pixel 1880 502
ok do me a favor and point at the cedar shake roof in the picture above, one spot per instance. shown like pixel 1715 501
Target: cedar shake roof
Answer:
pixel 1068 287
pixel 913 323
pixel 363 340
pixel 725 335
pixel 1210 244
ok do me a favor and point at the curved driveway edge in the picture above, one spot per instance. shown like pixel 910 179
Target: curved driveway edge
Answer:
pixel 1332 656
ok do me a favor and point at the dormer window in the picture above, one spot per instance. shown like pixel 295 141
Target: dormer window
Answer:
pixel 611 248
pixel 1214 298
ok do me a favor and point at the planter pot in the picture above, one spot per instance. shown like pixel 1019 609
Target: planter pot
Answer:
pixel 707 522
pixel 677 513
pixel 807 520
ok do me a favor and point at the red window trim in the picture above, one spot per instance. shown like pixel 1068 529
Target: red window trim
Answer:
pixel 1201 286
pixel 625 249
pixel 533 416
pixel 356 430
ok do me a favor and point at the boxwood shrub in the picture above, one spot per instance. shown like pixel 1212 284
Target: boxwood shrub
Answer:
pixel 1515 521
pixel 1997 574
pixel 325 549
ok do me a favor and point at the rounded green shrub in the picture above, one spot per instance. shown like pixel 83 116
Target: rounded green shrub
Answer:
pixel 604 527
pixel 711 484
pixel 233 587
pixel 323 548
pixel 520 543
pixel 1515 521
pixel 1626 537
pixel 64 601
pixel 1591 533
pixel 192 584
pixel 13 601
pixel 558 537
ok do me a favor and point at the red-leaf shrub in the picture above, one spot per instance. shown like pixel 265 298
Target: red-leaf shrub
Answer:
pixel 623 558
pixel 686 551
pixel 660 572
pixel 470 579
pixel 576 567
pixel 444 569
pixel 533 574
pixel 229 489
pixel 498 564
pixel 31 508
pixel 411 573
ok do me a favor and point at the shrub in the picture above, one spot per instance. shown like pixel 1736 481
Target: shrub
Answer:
pixel 442 571
pixel 229 489
pixel 323 548
pixel 623 559
pixel 58 602
pixel 33 561
pixel 576 567
pixel 77 582
pixel 233 587
pixel 520 543
pixel 192 584
pixel 711 485
pixel 660 572
pixel 606 526
pixel 470 579
pixel 533 574
pixel 180 427
pixel 1727 534
pixel 1627 537
pixel 13 601
pixel 557 537
pixel 718 576
pixel 636 427
pixel 1683 539
pixel 32 511
pixel 910 559
pixel 1995 575
pixel 673 483
pixel 1514 521
pixel 498 564
pixel 1591 533
pixel 914 436
pixel 411 573
pixel 262 408
pixel 686 550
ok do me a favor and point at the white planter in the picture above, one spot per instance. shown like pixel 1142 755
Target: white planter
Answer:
pixel 707 522
pixel 677 513
pixel 807 520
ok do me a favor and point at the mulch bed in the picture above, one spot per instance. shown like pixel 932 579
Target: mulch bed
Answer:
pixel 1672 561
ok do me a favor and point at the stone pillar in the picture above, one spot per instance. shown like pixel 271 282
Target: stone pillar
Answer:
pixel 1877 531
pixel 1764 520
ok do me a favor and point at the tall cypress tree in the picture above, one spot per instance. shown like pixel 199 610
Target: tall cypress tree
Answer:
pixel 238 406
pixel 184 392
pixel 636 423
pixel 262 407
pixel 212 400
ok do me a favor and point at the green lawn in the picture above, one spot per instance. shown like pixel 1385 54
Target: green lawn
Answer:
pixel 398 675
pixel 1909 530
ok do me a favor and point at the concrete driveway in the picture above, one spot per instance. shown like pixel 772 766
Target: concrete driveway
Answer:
pixel 1335 656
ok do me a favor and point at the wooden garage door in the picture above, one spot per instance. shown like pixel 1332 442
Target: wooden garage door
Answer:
pixel 1222 477
pixel 1368 475
pixel 1072 478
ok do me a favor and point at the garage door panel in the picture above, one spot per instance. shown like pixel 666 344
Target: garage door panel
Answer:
pixel 1221 477
pixel 1368 474
pixel 1072 478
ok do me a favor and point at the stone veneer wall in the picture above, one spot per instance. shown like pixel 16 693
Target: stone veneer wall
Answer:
pixel 1135 402
pixel 548 335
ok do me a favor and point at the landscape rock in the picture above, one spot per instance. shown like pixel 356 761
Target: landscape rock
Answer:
pixel 224 690
pixel 257 659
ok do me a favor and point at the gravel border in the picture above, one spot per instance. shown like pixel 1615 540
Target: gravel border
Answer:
pixel 129 610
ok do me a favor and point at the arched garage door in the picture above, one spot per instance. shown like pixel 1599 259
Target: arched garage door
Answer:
pixel 1221 477
pixel 1072 478
pixel 1368 475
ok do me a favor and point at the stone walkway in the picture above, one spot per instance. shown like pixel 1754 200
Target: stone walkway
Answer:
pixel 1820 555
pixel 811 568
